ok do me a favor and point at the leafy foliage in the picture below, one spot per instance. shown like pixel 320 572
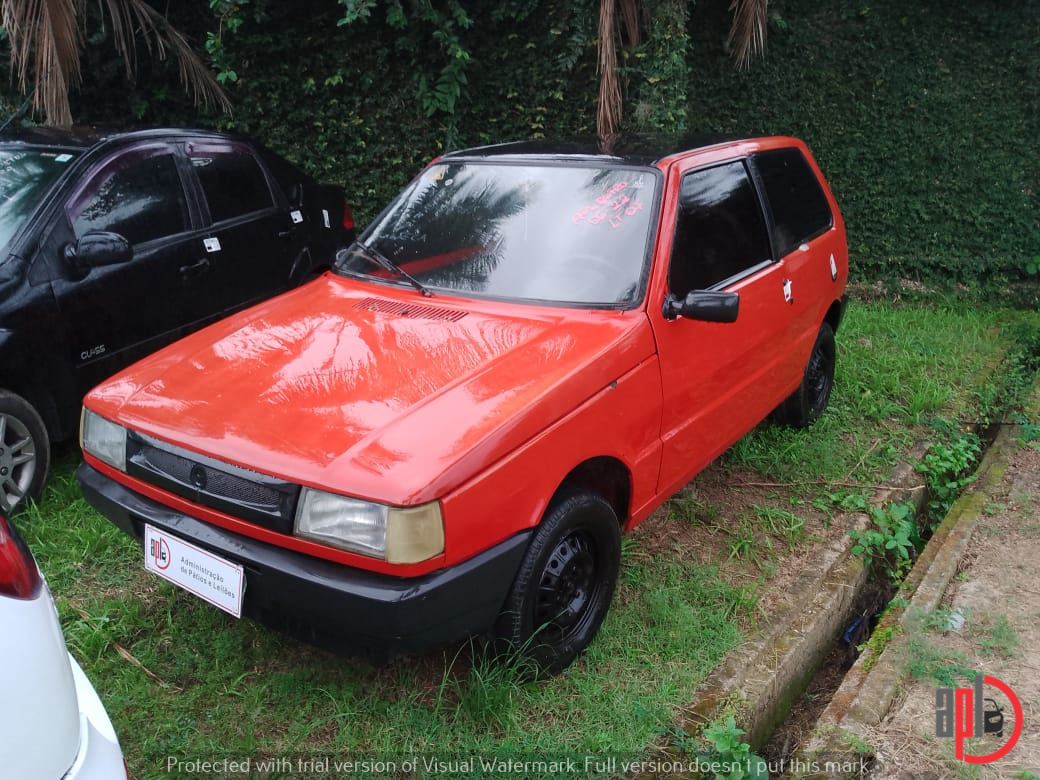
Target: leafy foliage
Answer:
pixel 733 757
pixel 948 466
pixel 424 20
pixel 917 114
pixel 891 541
pixel 659 73
pixel 229 19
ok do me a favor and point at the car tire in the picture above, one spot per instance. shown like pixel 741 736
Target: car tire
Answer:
pixel 805 405
pixel 25 452
pixel 564 585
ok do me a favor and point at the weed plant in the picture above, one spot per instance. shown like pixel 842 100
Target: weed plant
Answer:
pixel 892 540
pixel 727 749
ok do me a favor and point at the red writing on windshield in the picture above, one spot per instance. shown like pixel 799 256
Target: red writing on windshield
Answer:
pixel 612 207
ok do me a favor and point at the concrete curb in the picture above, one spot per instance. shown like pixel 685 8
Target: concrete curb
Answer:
pixel 759 681
pixel 868 690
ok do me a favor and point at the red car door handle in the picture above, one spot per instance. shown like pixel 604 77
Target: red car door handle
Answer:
pixel 196 268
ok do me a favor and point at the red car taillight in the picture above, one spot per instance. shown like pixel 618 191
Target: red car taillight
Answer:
pixel 19 577
pixel 348 217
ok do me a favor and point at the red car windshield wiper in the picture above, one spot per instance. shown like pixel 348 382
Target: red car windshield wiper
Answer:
pixel 384 262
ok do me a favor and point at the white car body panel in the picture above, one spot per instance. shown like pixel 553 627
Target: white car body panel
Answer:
pixel 52 725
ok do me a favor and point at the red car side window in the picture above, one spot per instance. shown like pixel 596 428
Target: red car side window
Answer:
pixel 720 232
pixel 800 209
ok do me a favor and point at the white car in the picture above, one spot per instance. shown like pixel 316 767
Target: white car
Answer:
pixel 52 723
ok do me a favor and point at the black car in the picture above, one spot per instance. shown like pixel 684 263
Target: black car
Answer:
pixel 112 245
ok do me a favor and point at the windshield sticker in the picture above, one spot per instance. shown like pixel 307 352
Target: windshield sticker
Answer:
pixel 618 202
pixel 441 177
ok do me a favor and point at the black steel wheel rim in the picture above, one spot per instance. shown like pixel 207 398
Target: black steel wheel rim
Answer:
pixel 567 587
pixel 818 378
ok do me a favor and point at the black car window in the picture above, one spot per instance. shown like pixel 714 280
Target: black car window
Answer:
pixel 800 209
pixel 232 182
pixel 141 198
pixel 720 232
pixel 290 179
pixel 26 175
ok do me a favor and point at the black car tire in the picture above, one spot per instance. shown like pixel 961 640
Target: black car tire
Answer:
pixel 25 452
pixel 564 585
pixel 805 405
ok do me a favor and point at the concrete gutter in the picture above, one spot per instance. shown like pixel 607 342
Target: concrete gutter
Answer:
pixel 869 688
pixel 758 682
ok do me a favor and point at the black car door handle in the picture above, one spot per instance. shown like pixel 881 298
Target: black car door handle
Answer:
pixel 196 268
pixel 284 234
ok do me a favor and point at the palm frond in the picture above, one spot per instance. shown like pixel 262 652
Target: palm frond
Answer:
pixel 608 111
pixel 125 18
pixel 747 36
pixel 135 18
pixel 632 13
pixel 44 49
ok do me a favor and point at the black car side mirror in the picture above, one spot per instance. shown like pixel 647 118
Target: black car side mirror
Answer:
pixel 98 247
pixel 703 305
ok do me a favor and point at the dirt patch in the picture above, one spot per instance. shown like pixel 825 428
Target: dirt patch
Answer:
pixel 989 623
pixel 758 534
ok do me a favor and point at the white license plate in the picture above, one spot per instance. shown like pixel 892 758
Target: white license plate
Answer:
pixel 202 573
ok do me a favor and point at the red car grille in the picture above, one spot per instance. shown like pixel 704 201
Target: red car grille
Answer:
pixel 245 494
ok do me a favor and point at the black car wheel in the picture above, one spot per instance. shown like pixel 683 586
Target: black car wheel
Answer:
pixel 25 452
pixel 565 582
pixel 809 401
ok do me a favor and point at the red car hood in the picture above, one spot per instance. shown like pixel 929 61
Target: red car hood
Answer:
pixel 373 392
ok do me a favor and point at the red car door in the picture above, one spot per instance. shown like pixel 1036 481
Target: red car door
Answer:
pixel 719 379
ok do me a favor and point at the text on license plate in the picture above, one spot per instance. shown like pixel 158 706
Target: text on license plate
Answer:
pixel 198 571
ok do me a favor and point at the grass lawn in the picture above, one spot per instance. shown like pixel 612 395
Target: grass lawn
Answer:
pixel 184 681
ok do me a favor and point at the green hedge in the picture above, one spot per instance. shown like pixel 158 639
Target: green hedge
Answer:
pixel 923 115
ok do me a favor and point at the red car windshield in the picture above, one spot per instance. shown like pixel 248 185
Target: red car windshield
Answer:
pixel 25 177
pixel 542 233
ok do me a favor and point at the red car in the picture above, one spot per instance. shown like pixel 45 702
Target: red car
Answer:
pixel 523 356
